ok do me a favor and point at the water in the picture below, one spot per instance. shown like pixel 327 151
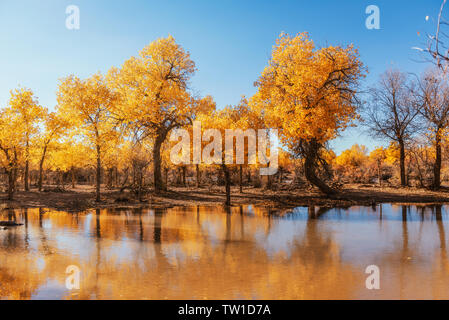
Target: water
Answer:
pixel 211 253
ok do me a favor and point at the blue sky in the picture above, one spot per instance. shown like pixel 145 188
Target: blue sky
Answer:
pixel 230 41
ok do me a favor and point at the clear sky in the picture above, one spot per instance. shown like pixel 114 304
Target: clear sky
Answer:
pixel 230 41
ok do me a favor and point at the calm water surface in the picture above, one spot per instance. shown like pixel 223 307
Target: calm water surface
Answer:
pixel 241 253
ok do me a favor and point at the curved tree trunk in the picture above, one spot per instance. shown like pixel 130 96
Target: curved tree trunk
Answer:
pixel 309 168
pixel 310 152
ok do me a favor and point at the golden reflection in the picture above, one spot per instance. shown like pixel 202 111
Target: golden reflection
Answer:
pixel 217 253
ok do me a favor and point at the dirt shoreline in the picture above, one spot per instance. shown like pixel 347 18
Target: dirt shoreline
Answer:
pixel 82 198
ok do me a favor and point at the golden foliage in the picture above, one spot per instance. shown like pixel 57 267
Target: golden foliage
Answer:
pixel 313 88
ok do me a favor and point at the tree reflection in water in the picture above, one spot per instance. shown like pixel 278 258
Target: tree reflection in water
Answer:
pixel 225 253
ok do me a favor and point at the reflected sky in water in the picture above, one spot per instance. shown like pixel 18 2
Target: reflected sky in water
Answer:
pixel 243 252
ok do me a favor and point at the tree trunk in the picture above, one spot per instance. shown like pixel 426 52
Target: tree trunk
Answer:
pixel 241 178
pixel 179 177
pixel 73 177
pixel 140 185
pixel 41 169
pixel 437 164
pixel 379 175
pixel 220 179
pixel 59 178
pixel 184 176
pixel 309 168
pixel 158 182
pixel 268 184
pixel 198 183
pixel 111 178
pixel 166 177
pixel 227 177
pixel 402 162
pixel 310 152
pixel 98 182
pixel 14 187
pixel 26 175
pixel 10 184
pixel 27 166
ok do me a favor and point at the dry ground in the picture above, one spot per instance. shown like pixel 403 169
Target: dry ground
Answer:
pixel 82 197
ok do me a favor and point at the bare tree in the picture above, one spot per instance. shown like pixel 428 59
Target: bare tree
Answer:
pixel 390 113
pixel 432 104
pixel 436 47
pixel 421 160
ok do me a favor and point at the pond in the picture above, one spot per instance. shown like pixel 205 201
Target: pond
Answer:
pixel 243 252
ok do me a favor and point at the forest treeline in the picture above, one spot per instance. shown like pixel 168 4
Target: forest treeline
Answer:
pixel 114 128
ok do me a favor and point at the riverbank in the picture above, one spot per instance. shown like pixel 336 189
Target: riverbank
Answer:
pixel 82 197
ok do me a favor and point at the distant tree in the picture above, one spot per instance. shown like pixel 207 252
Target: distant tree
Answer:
pixel 355 156
pixel 422 160
pixel 54 127
pixel 390 112
pixel 220 120
pixel 432 103
pixel 377 157
pixel 352 162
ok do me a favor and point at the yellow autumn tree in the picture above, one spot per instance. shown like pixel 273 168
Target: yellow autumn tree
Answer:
pixel 392 153
pixel 12 132
pixel 153 94
pixel 205 107
pixel 218 120
pixel 132 159
pixel 67 156
pixel 356 156
pixel 309 95
pixel 351 163
pixel 227 122
pixel 86 104
pixel 286 164
pixel 54 128
pixel 26 106
pixel 378 157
